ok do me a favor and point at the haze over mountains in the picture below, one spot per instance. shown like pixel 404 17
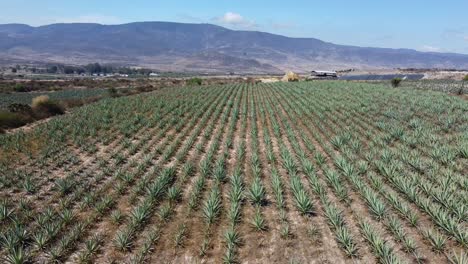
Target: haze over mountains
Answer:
pixel 200 47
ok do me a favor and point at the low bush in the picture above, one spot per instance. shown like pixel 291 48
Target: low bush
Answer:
pixel 11 120
pixel 112 92
pixel 44 107
pixel 20 88
pixel 145 88
pixel 194 81
pixel 461 90
pixel 23 109
pixel 396 82
pixel 39 100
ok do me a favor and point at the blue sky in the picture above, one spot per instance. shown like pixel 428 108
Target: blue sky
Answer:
pixel 423 25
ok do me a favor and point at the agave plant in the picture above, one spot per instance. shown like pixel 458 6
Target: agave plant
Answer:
pixel 338 142
pixel 379 246
pixel 9 240
pixel 140 214
pixel 29 186
pixel 303 202
pixel 458 258
pixel 5 212
pixel 320 159
pixel 334 216
pixel 123 240
pixel 92 246
pixel 65 185
pixel 16 255
pixel 40 240
pixel 166 212
pixel 212 206
pixel 174 194
pixel 285 231
pixel 180 235
pixel 344 238
pixel 409 245
pixel 188 168
pixel 257 193
pixel 205 167
pixel 232 238
pixel 229 257
pixel 376 206
pixel 258 222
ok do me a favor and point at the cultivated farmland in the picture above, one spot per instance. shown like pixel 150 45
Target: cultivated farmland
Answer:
pixel 26 98
pixel 308 172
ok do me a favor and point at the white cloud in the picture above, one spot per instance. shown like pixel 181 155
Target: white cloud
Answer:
pixel 235 20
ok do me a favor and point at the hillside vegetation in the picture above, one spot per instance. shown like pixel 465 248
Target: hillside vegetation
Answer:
pixel 201 48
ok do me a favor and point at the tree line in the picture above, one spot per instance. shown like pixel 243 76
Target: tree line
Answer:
pixel 92 68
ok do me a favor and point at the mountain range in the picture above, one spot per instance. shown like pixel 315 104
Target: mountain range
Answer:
pixel 168 46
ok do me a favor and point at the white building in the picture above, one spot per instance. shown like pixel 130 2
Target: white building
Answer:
pixel 324 74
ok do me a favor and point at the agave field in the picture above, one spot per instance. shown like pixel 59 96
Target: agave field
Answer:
pixel 308 172
pixel 447 86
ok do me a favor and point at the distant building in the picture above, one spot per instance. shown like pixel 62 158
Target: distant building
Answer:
pixel 153 74
pixel 324 74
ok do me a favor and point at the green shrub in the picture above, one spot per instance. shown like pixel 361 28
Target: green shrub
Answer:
pixel 461 90
pixel 194 81
pixel 145 88
pixel 396 82
pixel 112 92
pixel 43 107
pixel 11 120
pixel 20 88
pixel 23 109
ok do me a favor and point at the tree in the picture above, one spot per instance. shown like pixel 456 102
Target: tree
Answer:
pixel 97 68
pixel 465 79
pixel 52 69
pixel 195 81
pixel 20 88
pixel 396 82
pixel 14 70
pixel 80 70
pixel 93 68
pixel 69 70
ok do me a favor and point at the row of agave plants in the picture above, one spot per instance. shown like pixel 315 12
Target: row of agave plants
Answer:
pixel 168 194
